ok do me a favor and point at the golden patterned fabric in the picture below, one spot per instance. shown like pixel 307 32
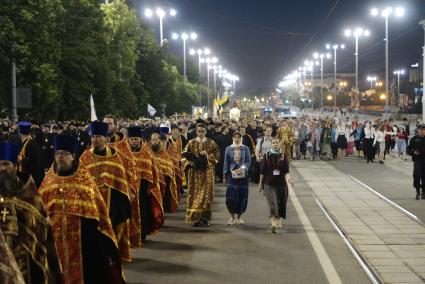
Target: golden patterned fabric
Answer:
pixel 107 171
pixel 67 200
pixel 166 168
pixel 174 150
pixel 124 151
pixel 28 232
pixel 9 270
pixel 146 170
pixel 287 139
pixel 109 174
pixel 200 183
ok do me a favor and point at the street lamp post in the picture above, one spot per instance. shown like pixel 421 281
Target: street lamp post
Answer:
pixel 184 37
pixel 356 33
pixel 161 15
pixel 422 23
pixel 321 56
pixel 398 73
pixel 371 79
pixel 209 60
pixel 335 47
pixel 310 67
pixel 386 13
pixel 200 52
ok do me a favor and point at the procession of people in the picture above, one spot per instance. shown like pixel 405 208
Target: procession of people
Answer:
pixel 110 184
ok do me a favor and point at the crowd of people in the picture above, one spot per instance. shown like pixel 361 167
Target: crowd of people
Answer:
pixel 75 197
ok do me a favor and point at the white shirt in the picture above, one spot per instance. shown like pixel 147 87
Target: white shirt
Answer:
pixel 379 137
pixel 369 133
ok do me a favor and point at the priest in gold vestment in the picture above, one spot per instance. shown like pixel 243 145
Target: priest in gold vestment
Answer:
pixel 82 230
pixel 105 165
pixel 199 159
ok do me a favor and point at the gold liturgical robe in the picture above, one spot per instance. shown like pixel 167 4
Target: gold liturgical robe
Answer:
pixel 200 183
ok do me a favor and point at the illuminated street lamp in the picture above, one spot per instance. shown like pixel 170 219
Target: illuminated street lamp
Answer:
pixel 386 13
pixel 357 33
pixel 321 56
pixel 371 79
pixel 209 61
pixel 184 37
pixel 200 52
pixel 335 47
pixel 161 15
pixel 398 73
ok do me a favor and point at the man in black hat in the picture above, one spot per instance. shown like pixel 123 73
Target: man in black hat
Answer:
pixel 30 154
pixel 87 246
pixel 416 149
pixel 150 197
pixel 107 168
pixel 25 223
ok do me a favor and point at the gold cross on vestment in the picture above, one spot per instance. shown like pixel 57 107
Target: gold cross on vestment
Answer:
pixel 4 212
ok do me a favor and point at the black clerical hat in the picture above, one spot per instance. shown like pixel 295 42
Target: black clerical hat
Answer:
pixel 99 128
pixel 9 152
pixel 24 127
pixel 65 142
pixel 134 131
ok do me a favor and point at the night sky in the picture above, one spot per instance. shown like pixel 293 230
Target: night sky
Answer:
pixel 261 41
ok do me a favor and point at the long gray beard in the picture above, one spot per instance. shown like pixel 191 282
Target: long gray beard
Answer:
pixel 8 184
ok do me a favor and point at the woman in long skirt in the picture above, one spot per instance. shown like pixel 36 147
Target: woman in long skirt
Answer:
pixel 341 141
pixel 237 159
pixel 273 182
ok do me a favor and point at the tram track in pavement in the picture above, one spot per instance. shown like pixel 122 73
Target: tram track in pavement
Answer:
pixel 369 271
pixel 380 194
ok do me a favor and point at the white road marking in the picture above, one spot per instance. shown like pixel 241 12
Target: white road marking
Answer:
pixel 324 260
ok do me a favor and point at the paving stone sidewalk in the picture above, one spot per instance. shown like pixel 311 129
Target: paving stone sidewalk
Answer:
pixel 391 242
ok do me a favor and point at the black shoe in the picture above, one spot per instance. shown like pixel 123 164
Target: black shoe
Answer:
pixel 198 224
pixel 417 196
pixel 423 196
pixel 381 162
pixel 204 223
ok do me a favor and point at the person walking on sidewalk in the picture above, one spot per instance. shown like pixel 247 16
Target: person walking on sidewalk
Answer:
pixel 416 149
pixel 273 182
pixel 237 160
pixel 368 138
pixel 379 143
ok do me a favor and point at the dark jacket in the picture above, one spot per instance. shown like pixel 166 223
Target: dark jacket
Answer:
pixel 417 143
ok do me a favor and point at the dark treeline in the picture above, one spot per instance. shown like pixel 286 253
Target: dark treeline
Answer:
pixel 67 50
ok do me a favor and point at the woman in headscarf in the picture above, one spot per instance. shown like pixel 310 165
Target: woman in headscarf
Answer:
pixel 237 160
pixel 273 181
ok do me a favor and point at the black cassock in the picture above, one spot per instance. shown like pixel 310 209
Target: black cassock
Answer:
pixel 101 262
pixel 31 163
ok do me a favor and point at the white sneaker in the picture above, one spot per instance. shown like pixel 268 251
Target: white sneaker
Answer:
pixel 279 223
pixel 231 221
pixel 240 221
pixel 273 227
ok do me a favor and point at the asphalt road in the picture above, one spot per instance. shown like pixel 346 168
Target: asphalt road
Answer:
pixel 300 253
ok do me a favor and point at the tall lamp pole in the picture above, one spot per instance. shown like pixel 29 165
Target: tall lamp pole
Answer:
pixel 335 47
pixel 321 56
pixel 184 37
pixel 386 13
pixel 357 33
pixel 161 15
